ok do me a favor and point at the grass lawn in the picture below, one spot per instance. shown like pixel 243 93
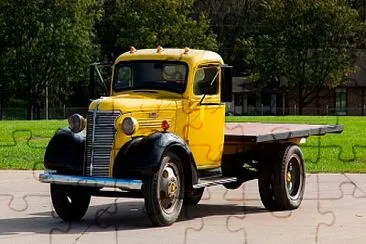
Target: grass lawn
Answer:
pixel 22 143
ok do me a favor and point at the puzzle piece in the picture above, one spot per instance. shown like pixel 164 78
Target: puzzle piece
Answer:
pixel 98 224
pixel 21 141
pixel 18 187
pixel 222 216
pixel 260 224
pixel 25 206
pixel 246 220
pixel 349 206
pixel 211 218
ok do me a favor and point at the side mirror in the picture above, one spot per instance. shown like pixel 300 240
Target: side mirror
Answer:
pixel 226 83
pixel 99 86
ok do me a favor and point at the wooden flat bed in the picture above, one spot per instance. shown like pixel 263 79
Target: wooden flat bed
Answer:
pixel 264 132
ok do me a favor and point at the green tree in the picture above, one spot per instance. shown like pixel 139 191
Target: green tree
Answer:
pixel 51 44
pixel 360 6
pixel 234 22
pixel 5 81
pixel 143 24
pixel 306 45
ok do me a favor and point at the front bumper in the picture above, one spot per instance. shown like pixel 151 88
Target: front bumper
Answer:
pixel 125 184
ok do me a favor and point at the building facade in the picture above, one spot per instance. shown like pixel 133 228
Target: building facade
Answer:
pixel 347 99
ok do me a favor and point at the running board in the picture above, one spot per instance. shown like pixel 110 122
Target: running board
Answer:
pixel 212 181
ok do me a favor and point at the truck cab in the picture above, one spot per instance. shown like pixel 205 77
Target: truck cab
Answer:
pixel 165 90
pixel 161 135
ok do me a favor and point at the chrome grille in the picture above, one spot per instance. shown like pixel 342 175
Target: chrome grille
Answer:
pixel 99 142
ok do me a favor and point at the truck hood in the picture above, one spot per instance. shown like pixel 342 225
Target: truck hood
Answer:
pixel 129 103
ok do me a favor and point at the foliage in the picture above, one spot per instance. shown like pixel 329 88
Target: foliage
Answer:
pixel 234 22
pixel 299 45
pixel 143 24
pixel 360 6
pixel 6 83
pixel 50 43
pixel 305 45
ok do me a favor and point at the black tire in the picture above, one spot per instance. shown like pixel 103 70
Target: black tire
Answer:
pixel 193 196
pixel 70 202
pixel 289 178
pixel 265 185
pixel 164 191
pixel 233 185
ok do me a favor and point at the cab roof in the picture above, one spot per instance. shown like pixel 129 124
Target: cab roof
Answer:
pixel 193 57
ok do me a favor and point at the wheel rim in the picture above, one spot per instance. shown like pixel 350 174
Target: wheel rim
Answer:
pixel 293 176
pixel 169 188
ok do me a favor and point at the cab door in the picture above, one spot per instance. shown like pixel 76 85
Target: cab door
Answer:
pixel 206 117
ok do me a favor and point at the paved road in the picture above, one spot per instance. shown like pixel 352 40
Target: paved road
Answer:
pixel 334 211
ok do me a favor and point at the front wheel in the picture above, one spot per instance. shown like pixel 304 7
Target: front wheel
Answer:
pixel 164 191
pixel 70 202
pixel 193 196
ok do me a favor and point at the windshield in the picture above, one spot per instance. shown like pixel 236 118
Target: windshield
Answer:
pixel 156 75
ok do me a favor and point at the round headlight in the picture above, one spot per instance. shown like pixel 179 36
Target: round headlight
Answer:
pixel 76 123
pixel 129 125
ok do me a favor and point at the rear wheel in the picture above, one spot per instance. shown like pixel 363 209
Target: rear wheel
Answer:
pixel 265 185
pixel 164 191
pixel 289 178
pixel 282 182
pixel 70 202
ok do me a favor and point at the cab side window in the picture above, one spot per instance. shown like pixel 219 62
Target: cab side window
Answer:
pixel 206 81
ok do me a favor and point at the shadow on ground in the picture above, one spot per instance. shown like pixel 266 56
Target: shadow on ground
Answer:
pixel 126 216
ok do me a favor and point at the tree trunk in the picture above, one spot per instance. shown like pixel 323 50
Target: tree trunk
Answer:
pixel 1 109
pixel 301 106
pixel 37 111
pixel 29 99
pixel 29 110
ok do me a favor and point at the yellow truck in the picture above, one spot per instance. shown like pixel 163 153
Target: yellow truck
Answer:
pixel 161 135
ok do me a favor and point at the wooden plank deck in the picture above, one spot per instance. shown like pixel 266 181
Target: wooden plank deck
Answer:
pixel 264 132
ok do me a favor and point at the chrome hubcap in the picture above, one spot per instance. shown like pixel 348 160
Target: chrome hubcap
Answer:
pixel 169 184
pixel 293 177
pixel 290 177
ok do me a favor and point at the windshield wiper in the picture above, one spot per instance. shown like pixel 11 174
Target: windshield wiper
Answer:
pixel 96 67
pixel 211 83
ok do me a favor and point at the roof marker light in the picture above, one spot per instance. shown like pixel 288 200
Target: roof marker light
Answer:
pixel 132 49
pixel 186 50
pixel 159 49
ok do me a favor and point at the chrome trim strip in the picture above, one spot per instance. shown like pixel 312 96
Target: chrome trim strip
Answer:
pixel 152 123
pixel 127 184
pixel 208 183
pixel 93 135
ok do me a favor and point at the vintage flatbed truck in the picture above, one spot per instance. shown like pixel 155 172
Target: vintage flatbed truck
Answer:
pixel 161 135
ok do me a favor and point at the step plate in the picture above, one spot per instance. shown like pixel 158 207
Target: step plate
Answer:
pixel 212 181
